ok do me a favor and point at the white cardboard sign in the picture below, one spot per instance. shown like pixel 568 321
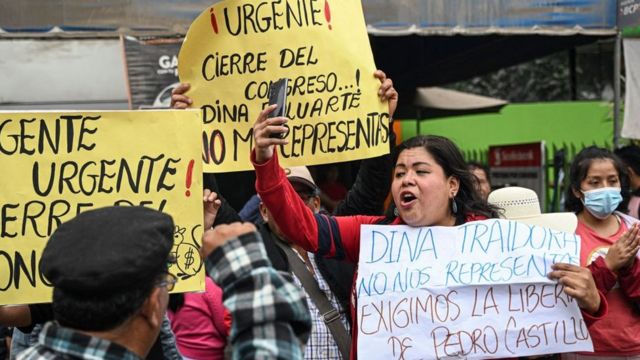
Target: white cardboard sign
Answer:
pixel 477 290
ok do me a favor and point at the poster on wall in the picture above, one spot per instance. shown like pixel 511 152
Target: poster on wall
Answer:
pixel 519 165
pixel 629 17
pixel 152 71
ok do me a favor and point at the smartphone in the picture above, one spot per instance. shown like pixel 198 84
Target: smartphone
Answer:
pixel 278 95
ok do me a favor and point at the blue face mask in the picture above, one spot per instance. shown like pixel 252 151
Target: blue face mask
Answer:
pixel 602 202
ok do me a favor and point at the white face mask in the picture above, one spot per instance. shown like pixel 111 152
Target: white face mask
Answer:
pixel 602 202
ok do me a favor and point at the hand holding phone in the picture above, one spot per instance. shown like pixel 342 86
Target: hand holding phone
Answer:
pixel 278 95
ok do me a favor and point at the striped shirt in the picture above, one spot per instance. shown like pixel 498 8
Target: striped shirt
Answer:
pixel 321 344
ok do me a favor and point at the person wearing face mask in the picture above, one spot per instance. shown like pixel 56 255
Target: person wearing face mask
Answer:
pixel 610 242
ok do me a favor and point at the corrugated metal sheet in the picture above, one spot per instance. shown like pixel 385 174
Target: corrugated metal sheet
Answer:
pixel 588 14
pixel 384 17
pixel 111 13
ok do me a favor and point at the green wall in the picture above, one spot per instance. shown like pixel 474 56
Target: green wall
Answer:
pixel 557 123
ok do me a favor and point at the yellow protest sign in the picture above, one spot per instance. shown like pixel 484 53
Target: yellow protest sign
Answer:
pixel 235 49
pixel 58 164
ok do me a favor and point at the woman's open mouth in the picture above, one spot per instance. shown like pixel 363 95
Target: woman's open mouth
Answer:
pixel 407 199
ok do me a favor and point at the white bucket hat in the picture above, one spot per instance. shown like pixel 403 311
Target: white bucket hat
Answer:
pixel 522 204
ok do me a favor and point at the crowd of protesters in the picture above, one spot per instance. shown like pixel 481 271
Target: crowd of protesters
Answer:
pixel 284 287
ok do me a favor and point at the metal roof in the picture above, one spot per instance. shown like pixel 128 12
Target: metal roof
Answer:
pixel 384 17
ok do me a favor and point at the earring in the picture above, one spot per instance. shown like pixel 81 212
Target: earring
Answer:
pixel 395 212
pixel 454 206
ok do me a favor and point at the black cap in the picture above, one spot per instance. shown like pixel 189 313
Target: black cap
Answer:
pixel 111 249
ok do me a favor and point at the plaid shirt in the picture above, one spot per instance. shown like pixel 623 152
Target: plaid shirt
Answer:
pixel 321 344
pixel 270 319
pixel 57 342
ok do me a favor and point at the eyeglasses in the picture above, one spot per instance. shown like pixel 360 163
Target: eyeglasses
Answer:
pixel 169 281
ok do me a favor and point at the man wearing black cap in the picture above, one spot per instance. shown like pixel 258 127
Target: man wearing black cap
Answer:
pixel 109 271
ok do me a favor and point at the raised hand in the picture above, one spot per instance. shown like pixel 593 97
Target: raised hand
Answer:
pixel 623 252
pixel 210 204
pixel 387 91
pixel 262 128
pixel 178 99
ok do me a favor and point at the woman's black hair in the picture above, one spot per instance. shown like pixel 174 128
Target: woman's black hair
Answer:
pixel 580 168
pixel 449 157
pixel 630 155
pixel 472 165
